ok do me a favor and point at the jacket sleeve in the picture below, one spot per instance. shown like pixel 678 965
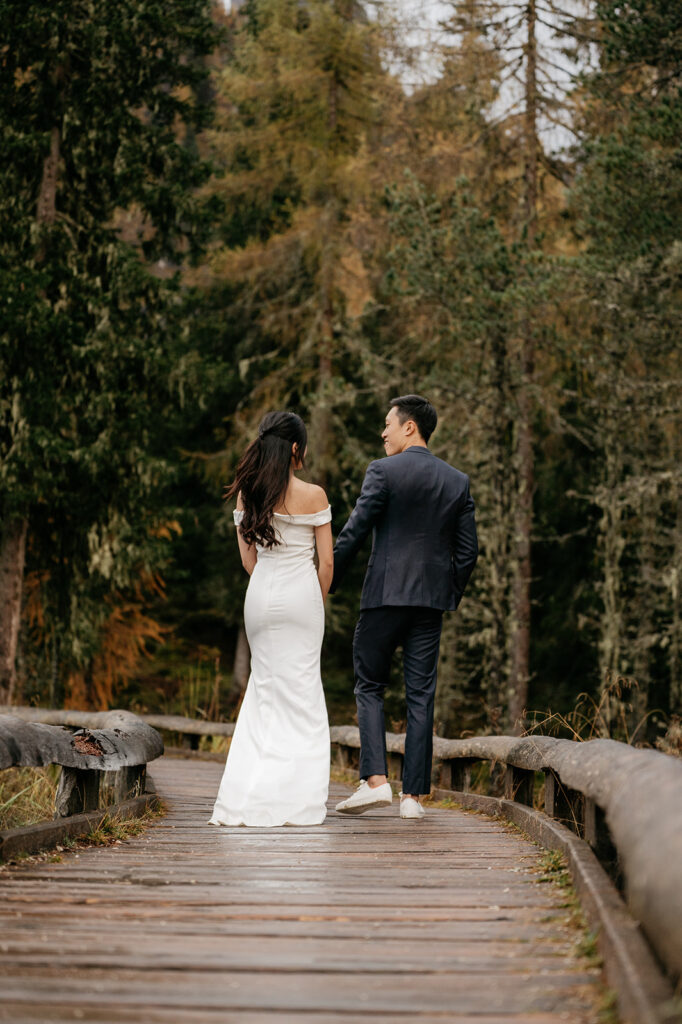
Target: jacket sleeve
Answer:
pixel 368 510
pixel 465 545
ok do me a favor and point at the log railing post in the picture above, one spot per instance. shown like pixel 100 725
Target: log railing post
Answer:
pixel 456 774
pixel 87 789
pixel 78 791
pixel 122 784
pixel 519 785
pixel 395 765
pixel 597 834
pixel 565 804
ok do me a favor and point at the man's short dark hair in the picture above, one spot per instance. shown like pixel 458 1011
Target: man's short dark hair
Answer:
pixel 414 407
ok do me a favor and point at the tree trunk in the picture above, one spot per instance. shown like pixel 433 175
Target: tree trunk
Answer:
pixel 54 690
pixel 497 667
pixel 321 413
pixel 46 210
pixel 13 532
pixel 12 558
pixel 523 517
pixel 523 523
pixel 675 698
pixel 612 544
pixel 531 141
pixel 644 605
pixel 320 425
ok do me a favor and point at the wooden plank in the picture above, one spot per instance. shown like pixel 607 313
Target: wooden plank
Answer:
pixel 369 919
pixel 90 918
pixel 94 1013
pixel 128 949
pixel 397 993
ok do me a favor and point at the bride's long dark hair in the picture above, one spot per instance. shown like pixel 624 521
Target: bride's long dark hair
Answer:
pixel 263 474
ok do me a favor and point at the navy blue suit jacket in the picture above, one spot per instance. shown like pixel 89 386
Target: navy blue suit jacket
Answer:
pixel 424 534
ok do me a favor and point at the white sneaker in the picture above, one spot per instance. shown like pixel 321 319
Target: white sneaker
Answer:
pixel 365 798
pixel 410 808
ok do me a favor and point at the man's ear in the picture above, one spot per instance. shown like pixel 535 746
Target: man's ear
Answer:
pixel 410 426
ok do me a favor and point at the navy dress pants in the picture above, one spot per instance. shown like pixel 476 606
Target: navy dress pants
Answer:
pixel 379 632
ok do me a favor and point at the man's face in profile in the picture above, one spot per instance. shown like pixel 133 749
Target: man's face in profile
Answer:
pixel 394 434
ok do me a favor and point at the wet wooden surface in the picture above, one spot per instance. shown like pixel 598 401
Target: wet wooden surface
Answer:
pixel 362 919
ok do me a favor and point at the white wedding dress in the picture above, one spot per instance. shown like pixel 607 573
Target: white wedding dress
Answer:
pixel 277 770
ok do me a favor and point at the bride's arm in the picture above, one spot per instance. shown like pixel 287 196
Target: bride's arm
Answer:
pixel 325 557
pixel 247 551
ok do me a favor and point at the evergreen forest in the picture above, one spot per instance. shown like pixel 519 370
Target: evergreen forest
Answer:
pixel 207 213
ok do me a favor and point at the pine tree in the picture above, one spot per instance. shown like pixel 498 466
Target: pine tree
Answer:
pixel 97 202
pixel 629 202
pixel 299 106
pixel 451 283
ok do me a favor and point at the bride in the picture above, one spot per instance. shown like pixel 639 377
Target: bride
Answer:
pixel 277 770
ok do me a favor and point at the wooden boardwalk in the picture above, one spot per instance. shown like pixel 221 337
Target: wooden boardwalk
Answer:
pixel 365 920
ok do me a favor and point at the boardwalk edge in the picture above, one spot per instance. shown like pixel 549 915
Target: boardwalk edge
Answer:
pixel 643 993
pixel 47 834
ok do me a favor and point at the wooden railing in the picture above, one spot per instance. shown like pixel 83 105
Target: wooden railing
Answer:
pixel 190 730
pixel 103 767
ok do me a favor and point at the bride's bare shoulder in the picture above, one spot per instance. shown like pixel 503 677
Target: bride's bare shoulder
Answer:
pixel 311 498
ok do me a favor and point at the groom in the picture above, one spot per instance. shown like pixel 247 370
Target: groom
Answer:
pixel 424 550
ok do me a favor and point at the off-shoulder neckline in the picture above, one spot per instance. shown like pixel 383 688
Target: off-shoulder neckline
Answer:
pixel 299 515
